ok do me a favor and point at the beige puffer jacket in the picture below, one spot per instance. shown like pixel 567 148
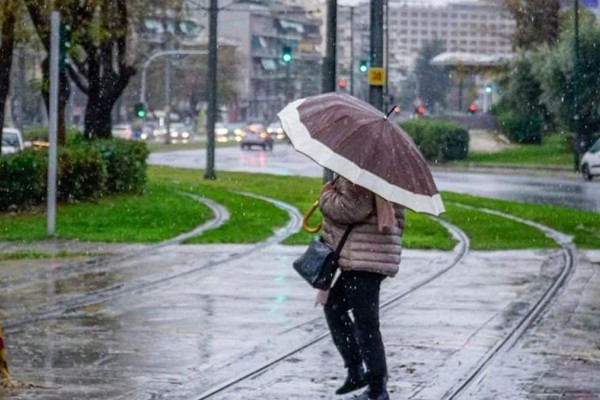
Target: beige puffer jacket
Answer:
pixel 367 248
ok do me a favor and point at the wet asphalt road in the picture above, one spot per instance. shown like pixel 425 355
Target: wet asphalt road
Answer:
pixel 283 160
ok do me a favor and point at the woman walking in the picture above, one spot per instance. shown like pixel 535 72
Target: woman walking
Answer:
pixel 371 253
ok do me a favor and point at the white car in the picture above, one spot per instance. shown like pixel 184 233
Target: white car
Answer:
pixel 12 141
pixel 590 162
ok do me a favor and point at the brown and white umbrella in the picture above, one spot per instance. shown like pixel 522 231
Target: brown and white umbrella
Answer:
pixel 357 141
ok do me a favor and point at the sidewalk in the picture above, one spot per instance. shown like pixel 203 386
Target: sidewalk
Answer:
pixel 180 338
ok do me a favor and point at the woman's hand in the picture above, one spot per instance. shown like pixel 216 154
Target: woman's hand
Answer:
pixel 322 296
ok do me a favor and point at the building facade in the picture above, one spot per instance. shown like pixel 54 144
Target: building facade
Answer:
pixel 467 26
pixel 262 30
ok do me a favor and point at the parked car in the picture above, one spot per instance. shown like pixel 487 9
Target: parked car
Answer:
pixel 590 162
pixel 12 141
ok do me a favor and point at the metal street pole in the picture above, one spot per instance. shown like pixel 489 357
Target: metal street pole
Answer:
pixel 352 51
pixel 211 84
pixel 578 145
pixel 376 53
pixel 328 83
pixel 387 100
pixel 53 125
pixel 168 100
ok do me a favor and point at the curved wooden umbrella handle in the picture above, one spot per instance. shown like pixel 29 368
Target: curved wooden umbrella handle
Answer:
pixel 307 217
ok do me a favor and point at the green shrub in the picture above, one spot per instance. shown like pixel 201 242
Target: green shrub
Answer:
pixel 22 178
pixel 86 170
pixel 125 163
pixel 82 173
pixel 520 127
pixel 438 141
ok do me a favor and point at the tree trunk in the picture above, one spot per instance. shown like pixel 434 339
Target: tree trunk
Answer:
pixel 98 122
pixel 6 53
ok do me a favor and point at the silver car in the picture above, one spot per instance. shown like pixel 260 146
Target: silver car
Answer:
pixel 590 162
pixel 12 141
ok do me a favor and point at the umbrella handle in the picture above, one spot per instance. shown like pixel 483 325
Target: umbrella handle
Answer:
pixel 307 217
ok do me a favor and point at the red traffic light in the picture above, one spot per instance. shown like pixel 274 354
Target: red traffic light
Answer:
pixel 342 83
pixel 420 110
pixel 472 108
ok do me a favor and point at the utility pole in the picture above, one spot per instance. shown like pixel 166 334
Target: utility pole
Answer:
pixel 579 144
pixel 376 53
pixel 168 100
pixel 328 83
pixel 211 85
pixel 352 50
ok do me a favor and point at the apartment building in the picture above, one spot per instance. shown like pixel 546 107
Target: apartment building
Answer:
pixel 465 26
pixel 261 30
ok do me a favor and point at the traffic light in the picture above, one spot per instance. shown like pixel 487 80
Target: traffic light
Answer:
pixel 286 54
pixel 363 66
pixel 489 88
pixel 140 110
pixel 342 83
pixel 472 109
pixel 420 110
pixel 64 45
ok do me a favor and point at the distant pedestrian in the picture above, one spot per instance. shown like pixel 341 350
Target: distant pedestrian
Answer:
pixel 371 253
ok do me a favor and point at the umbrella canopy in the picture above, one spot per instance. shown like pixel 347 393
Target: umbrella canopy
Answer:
pixel 358 142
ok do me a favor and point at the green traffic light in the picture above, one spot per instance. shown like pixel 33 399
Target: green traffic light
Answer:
pixel 363 66
pixel 140 110
pixel 286 54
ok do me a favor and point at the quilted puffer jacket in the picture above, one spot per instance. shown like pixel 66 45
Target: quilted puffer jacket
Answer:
pixel 367 248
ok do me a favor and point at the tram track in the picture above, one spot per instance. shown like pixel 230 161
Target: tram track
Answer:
pixel 462 384
pixel 62 308
pixel 461 251
pixel 457 389
pixel 530 317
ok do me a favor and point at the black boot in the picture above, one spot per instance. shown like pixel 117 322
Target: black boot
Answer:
pixel 367 396
pixel 355 380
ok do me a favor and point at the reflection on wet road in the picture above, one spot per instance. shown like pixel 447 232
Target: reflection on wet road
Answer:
pixel 284 160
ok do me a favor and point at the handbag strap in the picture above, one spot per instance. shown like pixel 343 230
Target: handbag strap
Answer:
pixel 340 245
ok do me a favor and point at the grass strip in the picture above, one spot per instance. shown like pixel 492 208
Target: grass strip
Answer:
pixel 251 220
pixel 584 226
pixel 492 232
pixel 420 232
pixel 156 215
pixel 35 254
pixel 552 151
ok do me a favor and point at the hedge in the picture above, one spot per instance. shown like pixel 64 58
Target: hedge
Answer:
pixel 439 141
pixel 86 170
pixel 520 127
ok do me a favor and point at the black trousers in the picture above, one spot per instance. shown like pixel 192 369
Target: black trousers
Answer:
pixel 358 340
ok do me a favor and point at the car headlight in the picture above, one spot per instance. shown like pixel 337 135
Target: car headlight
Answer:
pixel 185 135
pixel 174 134
pixel 221 131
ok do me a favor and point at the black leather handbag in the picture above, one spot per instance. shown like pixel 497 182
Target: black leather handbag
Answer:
pixel 319 262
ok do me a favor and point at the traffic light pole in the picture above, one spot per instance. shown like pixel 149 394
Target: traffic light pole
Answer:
pixel 328 83
pixel 376 91
pixel 578 145
pixel 211 84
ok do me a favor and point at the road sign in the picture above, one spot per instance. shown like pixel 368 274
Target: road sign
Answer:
pixel 376 76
